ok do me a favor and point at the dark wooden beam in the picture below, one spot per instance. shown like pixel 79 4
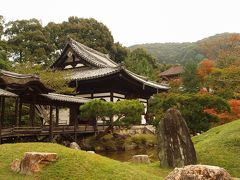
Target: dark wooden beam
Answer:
pixel 0 123
pixel 16 112
pixel 111 96
pixel 20 113
pixel 57 115
pixel 32 114
pixel 2 110
pixel 51 124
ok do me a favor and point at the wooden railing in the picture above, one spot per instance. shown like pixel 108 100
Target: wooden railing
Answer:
pixel 45 130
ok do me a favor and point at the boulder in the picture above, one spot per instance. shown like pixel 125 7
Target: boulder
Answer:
pixel 33 162
pixel 199 172
pixel 140 159
pixel 74 145
pixel 175 147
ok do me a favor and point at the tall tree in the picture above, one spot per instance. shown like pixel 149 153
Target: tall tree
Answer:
pixel 140 62
pixel 4 63
pixel 89 32
pixel 28 41
pixel 205 67
pixel 191 82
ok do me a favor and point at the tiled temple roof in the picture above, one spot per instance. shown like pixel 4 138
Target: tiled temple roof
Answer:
pixel 6 93
pixel 102 72
pixel 101 65
pixel 65 98
pixel 175 70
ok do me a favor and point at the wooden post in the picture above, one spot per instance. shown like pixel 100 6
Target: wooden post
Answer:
pixel 51 125
pixel 0 123
pixel 16 113
pixel 3 110
pixel 57 115
pixel 111 96
pixel 20 113
pixel 75 125
pixel 32 114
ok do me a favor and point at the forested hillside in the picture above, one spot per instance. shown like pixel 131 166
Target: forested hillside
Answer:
pixel 211 48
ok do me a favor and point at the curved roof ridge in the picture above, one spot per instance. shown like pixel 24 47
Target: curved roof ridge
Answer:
pixel 91 55
pixel 17 75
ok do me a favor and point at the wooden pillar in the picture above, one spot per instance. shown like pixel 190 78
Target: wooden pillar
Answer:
pixel 16 112
pixel 51 125
pixel 76 123
pixel 111 96
pixel 2 110
pixel 0 123
pixel 20 113
pixel 32 114
pixel 2 116
pixel 57 115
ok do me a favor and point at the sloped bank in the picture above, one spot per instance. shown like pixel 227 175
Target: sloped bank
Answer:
pixel 72 164
pixel 220 146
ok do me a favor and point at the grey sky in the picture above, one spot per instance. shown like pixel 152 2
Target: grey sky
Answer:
pixel 137 21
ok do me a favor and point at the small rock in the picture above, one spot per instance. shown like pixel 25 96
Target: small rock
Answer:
pixel 74 145
pixel 140 159
pixel 32 162
pixel 91 152
pixel 199 172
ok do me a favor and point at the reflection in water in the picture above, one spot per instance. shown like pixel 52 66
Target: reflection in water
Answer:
pixel 125 156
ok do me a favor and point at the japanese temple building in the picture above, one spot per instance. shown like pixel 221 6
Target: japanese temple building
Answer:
pixel 94 75
pixel 33 109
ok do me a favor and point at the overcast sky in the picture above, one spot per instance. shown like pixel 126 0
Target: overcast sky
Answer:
pixel 137 21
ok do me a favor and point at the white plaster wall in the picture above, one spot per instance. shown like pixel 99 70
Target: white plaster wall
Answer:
pixel 64 114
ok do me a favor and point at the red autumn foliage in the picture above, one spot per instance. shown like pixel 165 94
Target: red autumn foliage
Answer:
pixel 227 116
pixel 205 67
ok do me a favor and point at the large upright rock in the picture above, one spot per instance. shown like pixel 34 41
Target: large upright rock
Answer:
pixel 175 147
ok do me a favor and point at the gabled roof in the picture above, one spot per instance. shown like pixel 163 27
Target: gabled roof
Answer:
pixel 175 70
pixel 93 57
pixel 101 65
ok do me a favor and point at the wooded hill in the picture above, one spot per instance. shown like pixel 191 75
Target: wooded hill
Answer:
pixel 178 53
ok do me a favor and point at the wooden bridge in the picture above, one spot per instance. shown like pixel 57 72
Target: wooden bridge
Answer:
pixel 46 130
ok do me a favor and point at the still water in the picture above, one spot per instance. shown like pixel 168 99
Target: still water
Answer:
pixel 125 156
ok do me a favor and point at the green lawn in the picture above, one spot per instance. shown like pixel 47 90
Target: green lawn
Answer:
pixel 220 146
pixel 74 164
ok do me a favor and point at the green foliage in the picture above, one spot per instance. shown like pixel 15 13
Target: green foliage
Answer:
pixel 190 79
pixel 28 41
pixel 87 31
pixel 220 146
pixel 127 111
pixel 96 108
pixel 142 63
pixel 225 82
pixel 56 80
pixel 192 108
pixel 172 53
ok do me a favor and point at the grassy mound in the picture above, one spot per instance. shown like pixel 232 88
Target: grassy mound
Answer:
pixel 220 146
pixel 73 164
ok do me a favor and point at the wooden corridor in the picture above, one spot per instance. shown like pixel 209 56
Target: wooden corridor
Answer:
pixel 47 131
